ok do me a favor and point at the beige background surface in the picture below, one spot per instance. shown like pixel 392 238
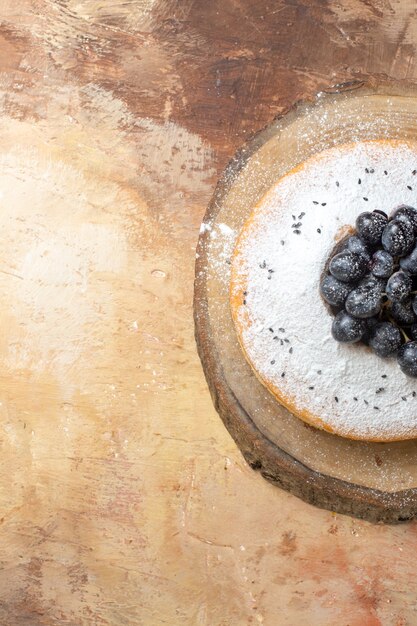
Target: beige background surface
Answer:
pixel 123 499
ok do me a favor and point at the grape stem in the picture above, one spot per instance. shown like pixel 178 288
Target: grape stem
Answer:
pixel 406 337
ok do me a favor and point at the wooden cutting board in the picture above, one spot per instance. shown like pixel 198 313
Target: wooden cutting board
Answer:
pixel 375 481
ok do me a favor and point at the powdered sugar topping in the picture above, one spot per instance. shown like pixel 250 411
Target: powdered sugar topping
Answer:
pixel 285 326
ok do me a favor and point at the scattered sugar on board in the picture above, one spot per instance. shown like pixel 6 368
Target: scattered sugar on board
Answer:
pixel 306 210
pixel 222 242
pixel 205 227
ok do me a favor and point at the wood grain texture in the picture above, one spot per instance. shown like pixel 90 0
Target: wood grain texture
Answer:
pixel 124 501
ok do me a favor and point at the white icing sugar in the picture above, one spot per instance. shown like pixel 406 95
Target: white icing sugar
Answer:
pixel 347 386
pixel 225 229
pixel 205 227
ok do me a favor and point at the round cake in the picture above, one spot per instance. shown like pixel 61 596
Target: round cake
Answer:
pixel 283 323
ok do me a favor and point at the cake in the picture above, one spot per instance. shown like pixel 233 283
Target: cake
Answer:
pixel 282 322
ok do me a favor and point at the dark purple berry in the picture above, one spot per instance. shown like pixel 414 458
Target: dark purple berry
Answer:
pixel 370 226
pixel 334 291
pixel 402 313
pixel 373 277
pixel 365 300
pixel 382 264
pixel 406 213
pixel 414 304
pixel 409 262
pixel 399 286
pixel 356 245
pixel 348 266
pixel 347 329
pixel 370 324
pixel 385 339
pixel 407 358
pixel 398 237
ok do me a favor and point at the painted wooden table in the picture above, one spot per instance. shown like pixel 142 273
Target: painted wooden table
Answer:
pixel 124 501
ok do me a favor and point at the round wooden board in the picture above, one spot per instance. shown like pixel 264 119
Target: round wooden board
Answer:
pixel 374 481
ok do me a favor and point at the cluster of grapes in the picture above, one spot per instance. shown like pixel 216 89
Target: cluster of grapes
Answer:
pixel 372 286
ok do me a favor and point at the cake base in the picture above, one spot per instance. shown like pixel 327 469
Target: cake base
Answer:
pixel 374 481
